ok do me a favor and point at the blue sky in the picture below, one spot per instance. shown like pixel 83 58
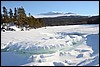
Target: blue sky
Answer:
pixel 37 7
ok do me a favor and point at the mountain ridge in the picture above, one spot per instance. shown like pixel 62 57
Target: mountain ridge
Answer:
pixel 55 14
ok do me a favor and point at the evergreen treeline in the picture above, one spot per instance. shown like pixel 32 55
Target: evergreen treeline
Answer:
pixel 20 19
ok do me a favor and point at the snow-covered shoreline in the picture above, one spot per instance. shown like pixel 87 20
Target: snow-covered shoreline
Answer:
pixel 82 40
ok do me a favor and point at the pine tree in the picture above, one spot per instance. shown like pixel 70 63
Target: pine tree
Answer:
pixel 38 24
pixel 21 16
pixel 4 11
pixel 6 18
pixel 11 15
pixel 29 15
pixel 15 14
pixel 32 22
pixel 41 21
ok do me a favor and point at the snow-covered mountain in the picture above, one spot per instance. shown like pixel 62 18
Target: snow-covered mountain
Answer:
pixel 51 13
pixel 57 13
pixel 54 14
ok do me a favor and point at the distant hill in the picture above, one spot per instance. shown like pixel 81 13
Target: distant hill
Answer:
pixel 70 20
pixel 60 18
pixel 93 20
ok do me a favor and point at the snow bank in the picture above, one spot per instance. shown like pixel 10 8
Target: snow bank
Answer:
pixel 15 28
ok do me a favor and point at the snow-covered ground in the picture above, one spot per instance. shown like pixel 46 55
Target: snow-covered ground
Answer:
pixel 70 45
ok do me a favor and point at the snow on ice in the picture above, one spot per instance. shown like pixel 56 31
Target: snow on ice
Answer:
pixel 70 45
